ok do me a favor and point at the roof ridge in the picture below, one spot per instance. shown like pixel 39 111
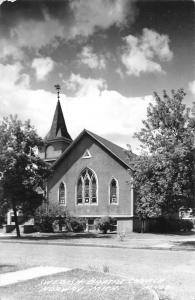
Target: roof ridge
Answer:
pixel 117 151
pixel 90 132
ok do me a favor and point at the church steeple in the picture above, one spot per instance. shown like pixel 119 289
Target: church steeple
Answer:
pixel 58 128
pixel 58 138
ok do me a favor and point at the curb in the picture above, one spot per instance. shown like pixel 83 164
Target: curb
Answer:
pixel 168 248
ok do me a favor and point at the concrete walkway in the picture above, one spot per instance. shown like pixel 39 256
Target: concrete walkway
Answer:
pixel 32 273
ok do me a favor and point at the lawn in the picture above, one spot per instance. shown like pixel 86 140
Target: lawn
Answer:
pixel 76 284
pixel 10 268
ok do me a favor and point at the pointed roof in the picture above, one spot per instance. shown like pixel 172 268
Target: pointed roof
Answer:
pixel 116 151
pixel 58 128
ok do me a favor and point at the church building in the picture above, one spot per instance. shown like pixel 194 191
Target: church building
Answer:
pixel 91 175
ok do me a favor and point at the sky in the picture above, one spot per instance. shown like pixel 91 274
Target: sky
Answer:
pixel 108 56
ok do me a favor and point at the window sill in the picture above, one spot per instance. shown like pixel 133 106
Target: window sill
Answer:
pixel 86 204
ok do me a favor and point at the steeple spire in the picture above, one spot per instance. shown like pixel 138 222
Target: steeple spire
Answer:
pixel 58 128
pixel 58 138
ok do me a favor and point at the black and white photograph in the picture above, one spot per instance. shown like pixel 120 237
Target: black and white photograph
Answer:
pixel 97 149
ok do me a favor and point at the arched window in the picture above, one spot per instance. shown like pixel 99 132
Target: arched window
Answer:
pixel 62 193
pixel 87 187
pixel 113 191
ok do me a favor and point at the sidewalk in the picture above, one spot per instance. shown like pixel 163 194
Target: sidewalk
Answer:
pixel 183 242
pixel 31 273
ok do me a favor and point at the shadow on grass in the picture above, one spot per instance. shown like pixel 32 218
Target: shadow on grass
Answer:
pixel 8 268
pixel 65 236
pixel 177 233
pixel 185 244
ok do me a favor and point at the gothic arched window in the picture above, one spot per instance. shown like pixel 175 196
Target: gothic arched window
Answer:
pixel 87 187
pixel 62 193
pixel 113 191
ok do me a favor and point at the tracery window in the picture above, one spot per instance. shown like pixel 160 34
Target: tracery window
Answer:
pixel 62 193
pixel 87 187
pixel 113 191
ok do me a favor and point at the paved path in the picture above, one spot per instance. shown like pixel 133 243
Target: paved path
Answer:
pixel 31 273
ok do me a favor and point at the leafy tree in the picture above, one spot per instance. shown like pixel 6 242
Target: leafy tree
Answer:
pixel 164 172
pixel 23 171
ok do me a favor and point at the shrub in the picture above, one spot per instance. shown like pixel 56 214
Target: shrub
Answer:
pixel 44 225
pixel 77 225
pixel 186 225
pixel 105 224
pixel 163 225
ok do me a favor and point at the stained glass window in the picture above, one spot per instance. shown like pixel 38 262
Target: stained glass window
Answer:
pixel 61 193
pixel 113 191
pixel 87 187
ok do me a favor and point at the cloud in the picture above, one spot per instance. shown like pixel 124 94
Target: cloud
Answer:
pixel 41 32
pixel 139 53
pixel 1 1
pixel 192 87
pixel 93 106
pixel 91 59
pixel 106 112
pixel 9 49
pixel 16 97
pixel 82 87
pixel 42 66
pixel 49 24
pixel 90 15
pixel 12 78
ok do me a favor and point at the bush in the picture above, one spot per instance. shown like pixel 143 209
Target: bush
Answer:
pixel 163 225
pixel 45 225
pixel 77 225
pixel 106 223
pixel 186 225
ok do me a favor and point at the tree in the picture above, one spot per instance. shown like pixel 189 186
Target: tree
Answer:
pixel 23 171
pixel 164 172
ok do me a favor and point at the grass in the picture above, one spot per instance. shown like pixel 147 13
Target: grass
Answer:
pixel 76 284
pixel 10 268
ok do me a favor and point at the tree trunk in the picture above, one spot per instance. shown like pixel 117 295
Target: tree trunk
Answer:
pixel 16 221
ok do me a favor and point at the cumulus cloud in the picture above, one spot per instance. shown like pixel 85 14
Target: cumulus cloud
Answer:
pixel 41 32
pixel 16 97
pixel 140 53
pixel 91 59
pixel 93 106
pixel 42 66
pixel 89 15
pixel 192 87
pixel 82 87
pixel 45 28
pixel 106 112
pixel 9 49
pixel 1 1
pixel 12 77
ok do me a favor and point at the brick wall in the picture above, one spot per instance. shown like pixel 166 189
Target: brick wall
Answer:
pixel 105 167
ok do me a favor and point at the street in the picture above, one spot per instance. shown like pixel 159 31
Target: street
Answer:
pixel 174 270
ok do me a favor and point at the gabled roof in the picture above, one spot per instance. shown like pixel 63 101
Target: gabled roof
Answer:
pixel 58 128
pixel 117 152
